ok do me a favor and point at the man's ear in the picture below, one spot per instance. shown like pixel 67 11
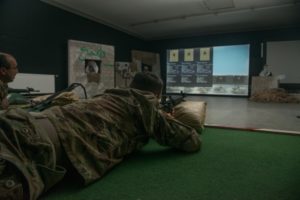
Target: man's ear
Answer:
pixel 158 95
pixel 2 70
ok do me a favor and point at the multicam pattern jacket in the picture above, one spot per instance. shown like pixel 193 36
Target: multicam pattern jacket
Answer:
pixel 95 134
pixel 3 92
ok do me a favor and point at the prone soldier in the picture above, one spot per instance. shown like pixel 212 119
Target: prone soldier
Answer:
pixel 92 135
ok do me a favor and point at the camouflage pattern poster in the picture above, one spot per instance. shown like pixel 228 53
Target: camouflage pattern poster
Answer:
pixel 92 65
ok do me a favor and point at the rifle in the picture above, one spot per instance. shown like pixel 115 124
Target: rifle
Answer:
pixel 27 90
pixel 167 103
pixel 47 102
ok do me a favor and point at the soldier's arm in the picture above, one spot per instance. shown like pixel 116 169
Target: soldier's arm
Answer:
pixel 3 99
pixel 4 103
pixel 170 132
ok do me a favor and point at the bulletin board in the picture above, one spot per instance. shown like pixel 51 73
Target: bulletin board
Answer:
pixel 123 74
pixel 92 65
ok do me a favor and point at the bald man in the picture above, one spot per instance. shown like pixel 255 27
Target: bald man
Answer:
pixel 8 71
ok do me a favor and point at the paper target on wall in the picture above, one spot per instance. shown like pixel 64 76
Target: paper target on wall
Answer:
pixel 92 65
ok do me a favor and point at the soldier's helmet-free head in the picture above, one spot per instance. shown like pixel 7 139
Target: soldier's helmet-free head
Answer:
pixel 147 81
pixel 8 67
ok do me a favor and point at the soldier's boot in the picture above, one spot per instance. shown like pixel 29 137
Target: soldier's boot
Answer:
pixel 11 186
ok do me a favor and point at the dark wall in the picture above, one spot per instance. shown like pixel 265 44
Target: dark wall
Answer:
pixel 37 33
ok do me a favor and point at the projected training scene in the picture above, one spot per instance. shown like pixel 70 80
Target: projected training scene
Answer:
pixel 219 70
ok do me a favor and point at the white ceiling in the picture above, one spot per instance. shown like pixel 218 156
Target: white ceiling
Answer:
pixel 160 19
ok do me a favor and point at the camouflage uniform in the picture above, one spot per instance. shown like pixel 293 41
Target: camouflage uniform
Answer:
pixel 95 134
pixel 3 92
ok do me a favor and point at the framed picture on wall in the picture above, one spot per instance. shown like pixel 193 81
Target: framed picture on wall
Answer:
pixel 124 72
pixel 146 61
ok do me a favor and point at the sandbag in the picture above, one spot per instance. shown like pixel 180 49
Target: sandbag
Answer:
pixel 192 113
